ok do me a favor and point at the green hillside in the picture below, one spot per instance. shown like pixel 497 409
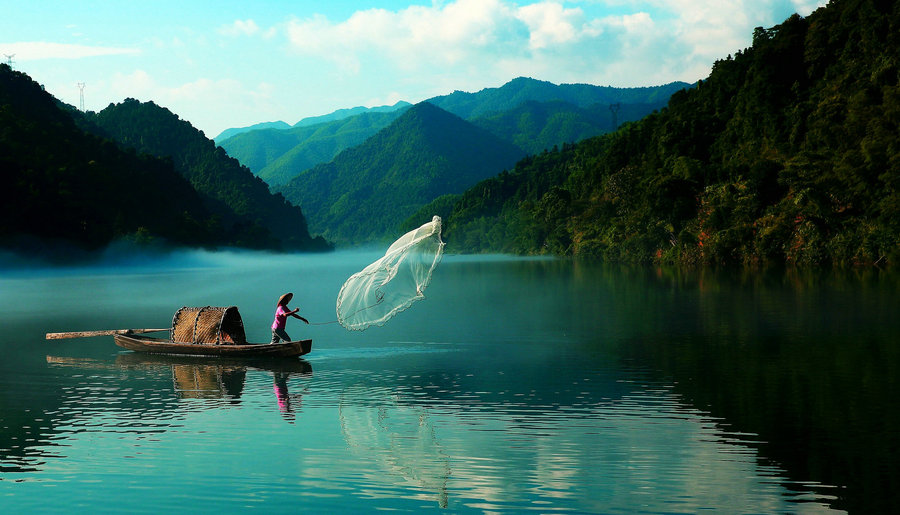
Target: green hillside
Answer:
pixel 538 126
pixel 279 155
pixel 247 210
pixel 366 191
pixel 310 141
pixel 62 186
pixel 257 148
pixel 787 153
pixel 321 143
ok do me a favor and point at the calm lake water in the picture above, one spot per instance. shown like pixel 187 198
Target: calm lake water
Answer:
pixel 518 385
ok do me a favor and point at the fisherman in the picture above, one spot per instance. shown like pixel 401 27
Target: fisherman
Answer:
pixel 281 313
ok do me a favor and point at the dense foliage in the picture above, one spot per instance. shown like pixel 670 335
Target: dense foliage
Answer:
pixel 538 126
pixel 66 186
pixel 787 153
pixel 366 191
pixel 242 203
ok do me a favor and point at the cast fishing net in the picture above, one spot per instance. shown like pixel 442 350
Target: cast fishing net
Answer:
pixel 393 283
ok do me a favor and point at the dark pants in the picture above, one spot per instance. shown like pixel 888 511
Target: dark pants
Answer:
pixel 280 334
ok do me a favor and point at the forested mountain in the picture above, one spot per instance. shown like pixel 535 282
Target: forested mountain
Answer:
pixel 538 126
pixel 63 185
pixel 522 111
pixel 241 203
pixel 227 133
pixel 257 148
pixel 277 156
pixel 367 190
pixel 787 153
pixel 321 143
pixel 523 89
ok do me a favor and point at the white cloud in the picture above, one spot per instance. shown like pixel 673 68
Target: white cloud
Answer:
pixel 137 84
pixel 476 41
pixel 240 28
pixel 411 38
pixel 36 50
pixel 550 23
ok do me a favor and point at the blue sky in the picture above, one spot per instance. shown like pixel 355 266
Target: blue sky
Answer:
pixel 221 64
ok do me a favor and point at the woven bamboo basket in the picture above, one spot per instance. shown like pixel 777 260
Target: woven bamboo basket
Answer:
pixel 208 325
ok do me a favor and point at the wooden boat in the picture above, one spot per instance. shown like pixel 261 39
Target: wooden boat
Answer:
pixel 209 331
pixel 141 343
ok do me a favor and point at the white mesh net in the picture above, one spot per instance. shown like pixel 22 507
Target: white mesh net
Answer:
pixel 391 284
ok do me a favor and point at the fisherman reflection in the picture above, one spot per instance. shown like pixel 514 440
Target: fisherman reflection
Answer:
pixel 288 403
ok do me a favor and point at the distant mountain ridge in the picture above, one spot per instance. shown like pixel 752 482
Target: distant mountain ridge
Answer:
pixel 334 116
pixel 367 190
pixel 583 112
pixel 340 114
pixel 227 133
pixel 524 89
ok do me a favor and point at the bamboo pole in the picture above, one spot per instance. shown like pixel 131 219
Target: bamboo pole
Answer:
pixel 108 332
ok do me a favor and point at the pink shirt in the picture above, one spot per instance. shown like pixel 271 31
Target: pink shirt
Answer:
pixel 281 315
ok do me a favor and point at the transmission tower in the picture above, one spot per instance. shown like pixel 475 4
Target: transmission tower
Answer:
pixel 9 59
pixel 614 109
pixel 81 91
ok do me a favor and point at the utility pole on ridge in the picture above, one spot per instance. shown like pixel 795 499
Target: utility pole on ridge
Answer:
pixel 81 97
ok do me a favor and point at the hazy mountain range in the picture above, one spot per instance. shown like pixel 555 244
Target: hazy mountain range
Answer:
pixel 277 156
pixel 533 114
pixel 525 116
pixel 310 120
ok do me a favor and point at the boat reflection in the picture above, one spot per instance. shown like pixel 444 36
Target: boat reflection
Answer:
pixel 223 378
pixel 197 377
